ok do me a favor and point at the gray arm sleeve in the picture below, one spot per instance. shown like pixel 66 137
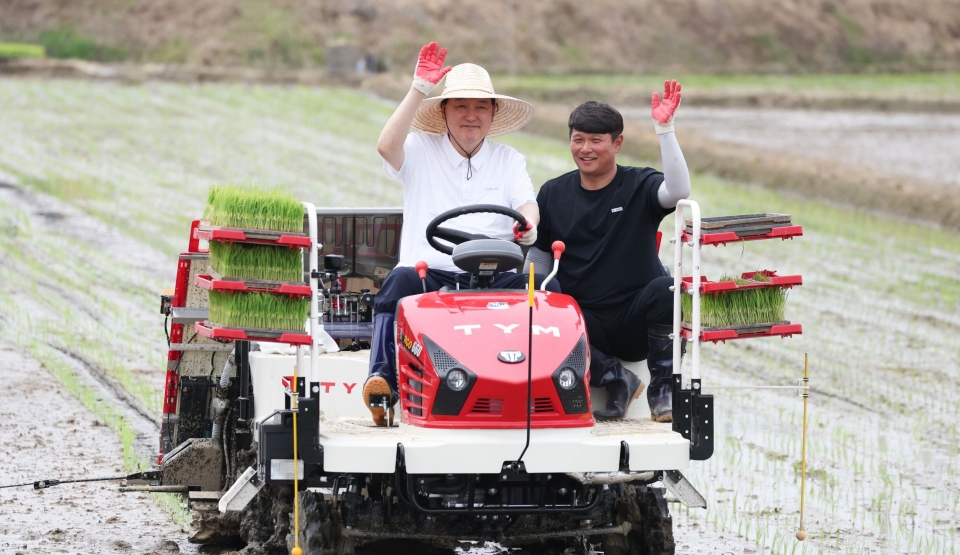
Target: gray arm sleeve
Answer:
pixel 542 261
pixel 676 176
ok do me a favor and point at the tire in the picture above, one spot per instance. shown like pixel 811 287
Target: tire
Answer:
pixel 619 544
pixel 652 526
pixel 320 529
pixel 657 524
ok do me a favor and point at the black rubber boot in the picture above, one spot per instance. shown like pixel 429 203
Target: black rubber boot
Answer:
pixel 380 389
pixel 622 385
pixel 660 363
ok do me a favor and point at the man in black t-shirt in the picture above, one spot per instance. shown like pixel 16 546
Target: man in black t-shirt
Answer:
pixel 607 215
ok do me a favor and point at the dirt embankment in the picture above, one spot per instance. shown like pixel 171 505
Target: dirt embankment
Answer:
pixel 832 177
pixel 512 35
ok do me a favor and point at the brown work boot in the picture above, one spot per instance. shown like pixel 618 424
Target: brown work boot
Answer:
pixel 377 396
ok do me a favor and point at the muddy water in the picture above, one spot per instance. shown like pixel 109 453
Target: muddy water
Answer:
pixel 919 145
pixel 48 434
pixel 865 489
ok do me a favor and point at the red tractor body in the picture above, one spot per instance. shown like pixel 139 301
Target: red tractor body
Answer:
pixel 483 338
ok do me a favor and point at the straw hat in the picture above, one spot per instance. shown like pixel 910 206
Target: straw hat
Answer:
pixel 472 81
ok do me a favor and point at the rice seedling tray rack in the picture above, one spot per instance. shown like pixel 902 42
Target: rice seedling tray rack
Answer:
pixel 768 329
pixel 739 308
pixel 769 278
pixel 748 227
pixel 228 333
pixel 211 283
pixel 260 236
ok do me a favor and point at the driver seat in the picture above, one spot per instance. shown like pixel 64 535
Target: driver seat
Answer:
pixel 485 258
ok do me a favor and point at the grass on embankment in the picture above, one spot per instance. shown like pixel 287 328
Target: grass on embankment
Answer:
pixel 867 83
pixel 18 50
pixel 936 92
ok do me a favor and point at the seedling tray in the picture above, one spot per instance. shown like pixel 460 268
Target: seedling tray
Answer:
pixel 261 236
pixel 227 333
pixel 769 329
pixel 717 287
pixel 251 286
pixel 746 227
pixel 735 223
pixel 767 232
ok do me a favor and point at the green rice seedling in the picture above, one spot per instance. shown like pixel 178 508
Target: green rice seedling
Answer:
pixel 259 310
pixel 249 261
pixel 738 308
pixel 253 208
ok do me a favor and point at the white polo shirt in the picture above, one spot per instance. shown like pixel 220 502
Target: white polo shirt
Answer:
pixel 434 178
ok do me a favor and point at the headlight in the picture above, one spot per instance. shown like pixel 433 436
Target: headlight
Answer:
pixel 457 379
pixel 567 378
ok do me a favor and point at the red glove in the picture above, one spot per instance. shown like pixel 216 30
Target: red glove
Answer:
pixel 664 111
pixel 430 68
pixel 526 236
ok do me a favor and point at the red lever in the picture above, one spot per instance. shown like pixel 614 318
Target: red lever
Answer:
pixel 558 248
pixel 421 267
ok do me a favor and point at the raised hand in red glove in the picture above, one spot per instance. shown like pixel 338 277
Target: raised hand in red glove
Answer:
pixel 663 111
pixel 430 68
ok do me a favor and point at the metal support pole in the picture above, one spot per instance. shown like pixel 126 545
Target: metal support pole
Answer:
pixel 802 534
pixel 678 228
pixel 316 325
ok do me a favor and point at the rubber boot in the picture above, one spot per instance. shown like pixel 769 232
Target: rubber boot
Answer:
pixel 623 386
pixel 380 389
pixel 660 363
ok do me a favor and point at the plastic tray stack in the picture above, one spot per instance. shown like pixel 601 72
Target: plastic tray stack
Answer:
pixel 748 227
pixel 214 282
pixel 731 229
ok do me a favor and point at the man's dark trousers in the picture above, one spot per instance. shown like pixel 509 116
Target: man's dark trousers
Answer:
pixel 622 330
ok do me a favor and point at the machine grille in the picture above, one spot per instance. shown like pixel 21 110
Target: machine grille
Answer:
pixel 574 400
pixel 416 385
pixel 542 404
pixel 487 405
pixel 448 402
pixel 442 362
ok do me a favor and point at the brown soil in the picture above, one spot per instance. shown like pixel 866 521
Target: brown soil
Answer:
pixel 510 35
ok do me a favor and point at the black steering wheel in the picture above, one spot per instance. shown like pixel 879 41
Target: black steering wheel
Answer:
pixel 434 231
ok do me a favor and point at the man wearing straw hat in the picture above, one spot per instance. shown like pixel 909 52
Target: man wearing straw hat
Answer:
pixel 448 162
pixel 607 215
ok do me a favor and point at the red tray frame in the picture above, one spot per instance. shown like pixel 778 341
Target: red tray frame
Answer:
pixel 716 287
pixel 207 282
pixel 724 335
pixel 724 237
pixel 226 235
pixel 239 334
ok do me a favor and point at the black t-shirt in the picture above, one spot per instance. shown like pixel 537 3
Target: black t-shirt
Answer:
pixel 610 234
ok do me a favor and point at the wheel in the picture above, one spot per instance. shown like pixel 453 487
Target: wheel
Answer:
pixel 652 526
pixel 657 523
pixel 320 529
pixel 265 520
pixel 434 231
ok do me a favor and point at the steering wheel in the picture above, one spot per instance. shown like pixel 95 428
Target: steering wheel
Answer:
pixel 434 231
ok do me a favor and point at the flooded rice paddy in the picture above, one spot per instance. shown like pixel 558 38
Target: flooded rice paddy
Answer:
pixel 99 181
